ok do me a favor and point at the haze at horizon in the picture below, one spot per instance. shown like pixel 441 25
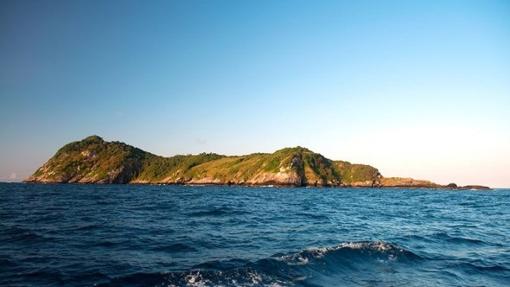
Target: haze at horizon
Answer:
pixel 414 89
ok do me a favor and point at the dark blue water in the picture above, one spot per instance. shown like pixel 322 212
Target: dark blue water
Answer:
pixel 79 235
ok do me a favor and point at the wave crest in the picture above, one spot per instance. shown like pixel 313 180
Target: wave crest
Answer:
pixel 351 251
pixel 279 269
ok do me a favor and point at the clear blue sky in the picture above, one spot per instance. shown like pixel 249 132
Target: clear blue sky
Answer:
pixel 416 88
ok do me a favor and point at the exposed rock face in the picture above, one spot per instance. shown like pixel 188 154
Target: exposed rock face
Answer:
pixel 452 185
pixel 406 182
pixel 93 160
pixel 475 187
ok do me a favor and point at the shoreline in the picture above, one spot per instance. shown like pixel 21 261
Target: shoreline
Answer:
pixel 269 185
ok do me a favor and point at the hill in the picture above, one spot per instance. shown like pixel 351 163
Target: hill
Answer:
pixel 94 160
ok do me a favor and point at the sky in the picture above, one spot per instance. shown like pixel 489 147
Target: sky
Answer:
pixel 416 88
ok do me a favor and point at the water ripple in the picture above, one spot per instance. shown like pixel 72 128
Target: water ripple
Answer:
pixel 124 235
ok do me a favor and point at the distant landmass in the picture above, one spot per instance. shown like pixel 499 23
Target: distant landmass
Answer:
pixel 96 161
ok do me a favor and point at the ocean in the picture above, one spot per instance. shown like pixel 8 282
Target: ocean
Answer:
pixel 148 235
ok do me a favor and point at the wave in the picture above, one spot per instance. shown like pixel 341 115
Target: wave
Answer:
pixel 289 269
pixel 481 267
pixel 20 234
pixel 354 250
pixel 175 248
pixel 442 237
pixel 222 211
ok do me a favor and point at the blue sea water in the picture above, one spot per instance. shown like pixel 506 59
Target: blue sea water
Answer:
pixel 128 235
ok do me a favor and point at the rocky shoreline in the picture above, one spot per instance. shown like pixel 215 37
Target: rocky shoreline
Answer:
pixel 466 187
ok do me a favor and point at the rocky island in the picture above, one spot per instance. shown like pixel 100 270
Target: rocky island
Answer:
pixel 94 160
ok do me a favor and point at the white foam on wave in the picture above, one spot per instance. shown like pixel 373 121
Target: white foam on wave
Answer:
pixel 250 279
pixel 195 279
pixel 303 258
pixel 373 245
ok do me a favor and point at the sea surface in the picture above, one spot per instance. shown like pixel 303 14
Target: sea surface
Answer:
pixel 129 235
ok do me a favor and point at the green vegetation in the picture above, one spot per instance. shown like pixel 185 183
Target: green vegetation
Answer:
pixel 298 165
pixel 93 160
pixel 158 168
pixel 357 173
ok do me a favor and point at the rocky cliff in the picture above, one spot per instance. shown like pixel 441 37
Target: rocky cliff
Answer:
pixel 93 160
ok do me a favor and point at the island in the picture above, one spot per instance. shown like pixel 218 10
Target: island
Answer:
pixel 96 161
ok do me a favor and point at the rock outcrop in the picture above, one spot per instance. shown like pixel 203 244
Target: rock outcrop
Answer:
pixel 93 160
pixel 407 182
